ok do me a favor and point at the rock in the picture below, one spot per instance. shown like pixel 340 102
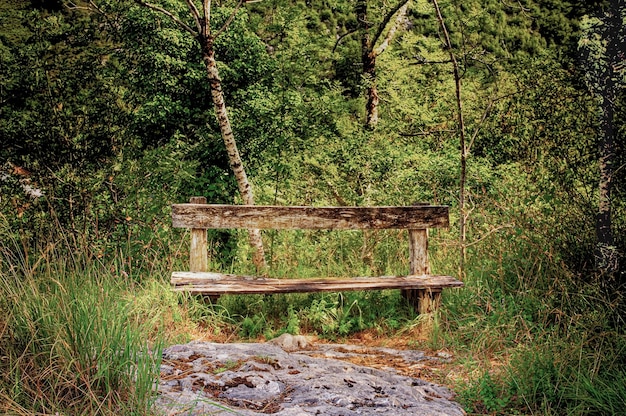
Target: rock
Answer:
pixel 252 379
pixel 290 342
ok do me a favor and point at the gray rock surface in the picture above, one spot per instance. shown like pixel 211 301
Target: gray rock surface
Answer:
pixel 203 378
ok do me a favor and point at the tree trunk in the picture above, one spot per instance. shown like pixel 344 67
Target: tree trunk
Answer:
pixel 202 33
pixel 369 52
pixel 607 257
pixel 369 70
pixel 462 142
pixel 234 159
pixel 368 62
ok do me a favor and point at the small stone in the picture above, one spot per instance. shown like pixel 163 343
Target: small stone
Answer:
pixel 290 342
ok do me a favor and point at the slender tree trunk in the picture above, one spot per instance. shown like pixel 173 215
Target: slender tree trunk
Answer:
pixel 204 35
pixel 245 189
pixel 607 257
pixel 369 52
pixel 368 62
pixel 462 142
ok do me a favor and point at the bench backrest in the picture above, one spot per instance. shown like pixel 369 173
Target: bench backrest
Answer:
pixel 205 216
pixel 199 216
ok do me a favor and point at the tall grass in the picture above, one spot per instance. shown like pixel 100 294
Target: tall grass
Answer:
pixel 71 341
pixel 535 338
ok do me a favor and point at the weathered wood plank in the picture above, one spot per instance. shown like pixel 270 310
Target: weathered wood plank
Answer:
pixel 198 250
pixel 314 218
pixel 221 284
pixel 423 300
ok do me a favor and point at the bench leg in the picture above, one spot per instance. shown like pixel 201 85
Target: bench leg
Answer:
pixel 424 301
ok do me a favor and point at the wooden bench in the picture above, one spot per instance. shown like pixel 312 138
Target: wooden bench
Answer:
pixel 419 287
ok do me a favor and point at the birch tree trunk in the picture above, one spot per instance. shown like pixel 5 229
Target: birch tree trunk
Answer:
pixel 234 159
pixel 462 142
pixel 206 37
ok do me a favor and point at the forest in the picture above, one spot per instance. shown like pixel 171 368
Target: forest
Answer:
pixel 510 112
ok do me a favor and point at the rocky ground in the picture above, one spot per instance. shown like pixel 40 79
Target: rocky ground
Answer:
pixel 290 376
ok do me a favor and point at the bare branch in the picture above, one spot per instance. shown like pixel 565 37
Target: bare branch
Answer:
pixel 392 31
pixel 70 5
pixel 480 124
pixel 169 14
pixel 485 115
pixel 206 10
pixel 230 19
pixel 340 38
pixel 425 133
pixel 423 61
pixel 521 7
pixel 195 13
pixel 386 20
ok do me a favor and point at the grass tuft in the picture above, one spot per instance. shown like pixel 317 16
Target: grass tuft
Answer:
pixel 70 340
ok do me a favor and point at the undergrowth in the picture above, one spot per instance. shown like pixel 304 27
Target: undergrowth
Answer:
pixel 72 339
pixel 82 333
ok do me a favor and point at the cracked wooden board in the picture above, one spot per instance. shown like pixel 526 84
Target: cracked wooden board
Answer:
pixel 221 284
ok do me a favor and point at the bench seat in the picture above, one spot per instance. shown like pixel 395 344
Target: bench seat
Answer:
pixel 212 284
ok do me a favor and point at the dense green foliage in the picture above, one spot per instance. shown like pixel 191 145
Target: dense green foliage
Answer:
pixel 107 120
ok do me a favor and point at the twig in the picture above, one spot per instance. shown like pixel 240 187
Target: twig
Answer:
pixel 488 233
pixel 342 37
pixel 168 14
pixel 485 115
pixel 229 20
pixel 195 13
pixel 425 62
pixel 425 133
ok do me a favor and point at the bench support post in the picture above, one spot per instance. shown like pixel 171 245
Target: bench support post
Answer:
pixel 423 300
pixel 198 251
pixel 198 254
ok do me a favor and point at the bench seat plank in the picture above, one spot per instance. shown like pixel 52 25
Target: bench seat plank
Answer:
pixel 221 284
pixel 209 216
